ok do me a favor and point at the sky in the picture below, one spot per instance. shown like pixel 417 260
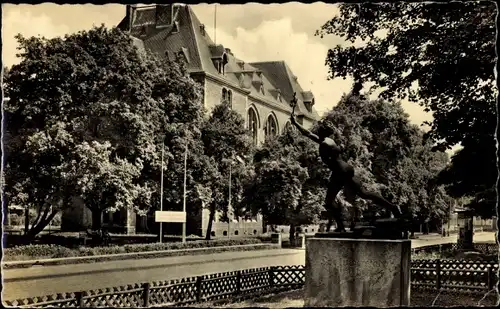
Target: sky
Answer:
pixel 253 32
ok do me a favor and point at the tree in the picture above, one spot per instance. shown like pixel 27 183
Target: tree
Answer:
pixel 440 56
pixel 87 116
pixel 225 138
pixel 288 184
pixel 389 154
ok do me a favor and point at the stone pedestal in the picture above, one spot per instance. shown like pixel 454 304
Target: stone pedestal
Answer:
pixel 343 272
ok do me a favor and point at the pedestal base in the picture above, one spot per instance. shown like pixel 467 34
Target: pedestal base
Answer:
pixel 357 272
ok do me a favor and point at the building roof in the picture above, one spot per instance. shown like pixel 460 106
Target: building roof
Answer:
pixel 174 28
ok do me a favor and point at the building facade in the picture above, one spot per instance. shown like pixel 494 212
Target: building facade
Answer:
pixel 260 91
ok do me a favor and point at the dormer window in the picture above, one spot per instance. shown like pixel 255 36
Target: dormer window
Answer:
pixel 262 89
pixel 278 95
pixel 220 67
pixel 308 106
pixel 164 15
pixel 220 64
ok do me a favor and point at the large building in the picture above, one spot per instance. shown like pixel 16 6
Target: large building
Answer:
pixel 259 91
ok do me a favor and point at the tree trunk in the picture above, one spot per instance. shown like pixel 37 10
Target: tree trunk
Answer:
pixel 40 226
pixel 210 221
pixel 292 235
pixel 26 220
pixel 264 225
pixel 96 219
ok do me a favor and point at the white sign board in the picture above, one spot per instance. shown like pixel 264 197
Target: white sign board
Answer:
pixel 170 216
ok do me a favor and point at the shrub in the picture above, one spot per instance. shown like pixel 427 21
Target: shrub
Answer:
pixel 40 251
pixel 56 251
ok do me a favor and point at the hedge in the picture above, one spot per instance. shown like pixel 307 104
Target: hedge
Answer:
pixel 56 251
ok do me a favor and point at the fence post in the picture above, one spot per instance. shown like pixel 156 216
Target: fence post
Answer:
pixel 271 276
pixel 438 274
pixel 490 278
pixel 199 281
pixel 145 294
pixel 79 299
pixel 238 282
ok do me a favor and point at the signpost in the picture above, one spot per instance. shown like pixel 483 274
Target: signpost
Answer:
pixel 184 197
pixel 172 216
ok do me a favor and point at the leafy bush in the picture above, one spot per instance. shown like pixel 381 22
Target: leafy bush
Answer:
pixel 56 251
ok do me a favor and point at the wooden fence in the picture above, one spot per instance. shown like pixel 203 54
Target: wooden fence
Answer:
pixel 454 275
pixel 235 284
pixel 451 275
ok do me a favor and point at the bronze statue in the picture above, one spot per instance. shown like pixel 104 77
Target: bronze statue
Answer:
pixel 342 176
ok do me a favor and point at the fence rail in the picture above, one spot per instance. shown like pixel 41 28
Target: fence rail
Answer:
pixel 185 291
pixel 454 275
pixel 486 248
pixel 450 275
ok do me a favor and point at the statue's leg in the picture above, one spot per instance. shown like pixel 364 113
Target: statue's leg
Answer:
pixel 330 222
pixel 356 185
pixel 334 209
pixel 355 213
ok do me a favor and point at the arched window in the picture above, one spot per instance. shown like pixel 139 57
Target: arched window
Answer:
pixel 230 98
pixel 227 96
pixel 224 94
pixel 271 126
pixel 253 124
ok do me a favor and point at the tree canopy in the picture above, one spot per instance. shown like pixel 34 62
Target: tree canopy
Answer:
pixel 289 182
pixel 390 154
pixel 87 116
pixel 225 138
pixel 439 55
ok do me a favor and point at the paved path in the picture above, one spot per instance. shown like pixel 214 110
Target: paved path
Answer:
pixel 45 280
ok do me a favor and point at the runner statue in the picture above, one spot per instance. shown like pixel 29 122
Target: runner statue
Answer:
pixel 342 176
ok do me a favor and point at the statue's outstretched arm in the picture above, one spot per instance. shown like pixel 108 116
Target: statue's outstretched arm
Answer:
pixel 304 131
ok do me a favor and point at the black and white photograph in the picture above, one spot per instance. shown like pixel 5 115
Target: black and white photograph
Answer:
pixel 274 155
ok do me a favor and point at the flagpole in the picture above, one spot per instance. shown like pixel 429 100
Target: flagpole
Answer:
pixel 229 200
pixel 184 198
pixel 161 191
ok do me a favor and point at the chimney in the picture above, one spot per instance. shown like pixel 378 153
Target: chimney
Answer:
pixel 202 29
